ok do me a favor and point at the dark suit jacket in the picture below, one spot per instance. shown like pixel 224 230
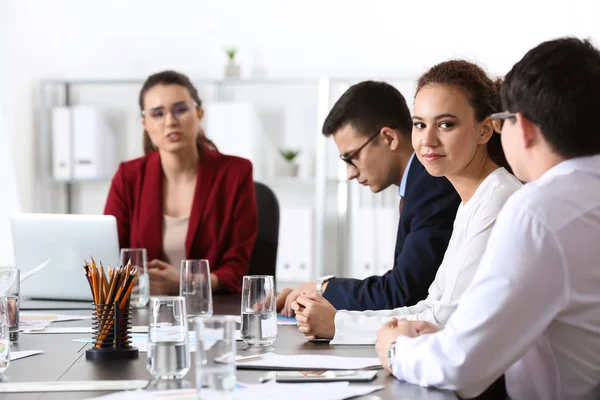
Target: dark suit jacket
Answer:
pixel 424 230
pixel 223 222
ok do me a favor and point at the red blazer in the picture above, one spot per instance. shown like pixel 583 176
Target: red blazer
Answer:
pixel 223 223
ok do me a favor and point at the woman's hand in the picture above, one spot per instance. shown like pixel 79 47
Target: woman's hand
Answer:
pixel 164 278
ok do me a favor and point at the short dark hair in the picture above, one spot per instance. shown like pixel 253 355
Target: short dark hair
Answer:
pixel 556 85
pixel 369 106
pixel 480 90
pixel 172 78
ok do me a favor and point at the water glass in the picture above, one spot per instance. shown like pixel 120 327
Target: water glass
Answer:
pixel 259 315
pixel 10 286
pixel 215 355
pixel 194 286
pixel 168 347
pixel 140 295
pixel 4 335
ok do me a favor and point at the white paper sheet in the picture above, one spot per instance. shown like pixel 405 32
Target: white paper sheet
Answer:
pixel 71 386
pixel 140 340
pixel 15 355
pixel 272 360
pixel 35 320
pixel 79 329
pixel 274 391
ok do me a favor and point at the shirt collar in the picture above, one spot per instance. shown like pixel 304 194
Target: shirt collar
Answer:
pixel 402 187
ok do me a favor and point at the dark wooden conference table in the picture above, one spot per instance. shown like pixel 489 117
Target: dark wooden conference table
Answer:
pixel 64 360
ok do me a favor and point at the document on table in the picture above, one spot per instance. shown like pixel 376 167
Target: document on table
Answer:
pixel 33 321
pixel 71 386
pixel 81 329
pixel 15 355
pixel 317 362
pixel 281 320
pixel 140 340
pixel 273 391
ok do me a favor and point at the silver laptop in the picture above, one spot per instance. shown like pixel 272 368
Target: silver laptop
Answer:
pixel 64 241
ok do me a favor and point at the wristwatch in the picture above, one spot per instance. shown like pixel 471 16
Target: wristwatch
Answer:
pixel 321 281
pixel 391 356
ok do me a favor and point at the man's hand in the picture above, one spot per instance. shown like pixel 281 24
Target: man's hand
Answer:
pixel 424 327
pixel 315 316
pixel 281 297
pixel 164 278
pixel 388 334
pixel 292 295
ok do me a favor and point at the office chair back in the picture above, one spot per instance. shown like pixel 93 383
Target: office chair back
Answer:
pixel 264 255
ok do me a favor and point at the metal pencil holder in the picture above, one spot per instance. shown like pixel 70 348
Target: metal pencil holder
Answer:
pixel 111 333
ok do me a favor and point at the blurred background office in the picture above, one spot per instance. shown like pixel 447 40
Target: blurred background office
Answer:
pixel 268 72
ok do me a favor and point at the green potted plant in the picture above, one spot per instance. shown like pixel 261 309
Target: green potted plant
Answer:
pixel 232 69
pixel 289 166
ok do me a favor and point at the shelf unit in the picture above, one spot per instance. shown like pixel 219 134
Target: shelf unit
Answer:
pixel 61 92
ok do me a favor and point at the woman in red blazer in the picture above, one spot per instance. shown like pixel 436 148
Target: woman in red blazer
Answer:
pixel 184 199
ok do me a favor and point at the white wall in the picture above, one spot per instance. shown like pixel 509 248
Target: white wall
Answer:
pixel 112 38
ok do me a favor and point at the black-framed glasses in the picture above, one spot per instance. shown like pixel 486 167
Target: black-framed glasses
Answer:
pixel 348 158
pixel 498 119
pixel 179 111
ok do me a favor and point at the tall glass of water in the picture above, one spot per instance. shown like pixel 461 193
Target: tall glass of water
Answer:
pixel 4 335
pixel 215 355
pixel 259 315
pixel 141 290
pixel 168 347
pixel 194 286
pixel 10 282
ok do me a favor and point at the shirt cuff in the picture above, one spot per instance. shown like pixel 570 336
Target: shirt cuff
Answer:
pixel 349 332
pixel 404 347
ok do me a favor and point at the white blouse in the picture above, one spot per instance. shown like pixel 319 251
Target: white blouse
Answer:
pixel 533 308
pixel 472 227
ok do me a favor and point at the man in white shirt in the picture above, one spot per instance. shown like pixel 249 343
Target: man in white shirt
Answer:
pixel 532 311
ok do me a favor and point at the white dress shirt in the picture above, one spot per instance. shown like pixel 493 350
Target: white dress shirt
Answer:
pixel 472 228
pixel 402 187
pixel 533 307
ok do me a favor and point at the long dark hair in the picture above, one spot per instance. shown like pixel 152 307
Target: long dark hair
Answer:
pixel 173 78
pixel 482 92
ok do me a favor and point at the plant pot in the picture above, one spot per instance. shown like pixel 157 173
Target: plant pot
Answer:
pixel 232 70
pixel 287 169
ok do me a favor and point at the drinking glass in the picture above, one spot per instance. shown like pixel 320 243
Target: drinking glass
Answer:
pixel 10 287
pixel 168 347
pixel 4 335
pixel 194 286
pixel 215 355
pixel 141 290
pixel 259 315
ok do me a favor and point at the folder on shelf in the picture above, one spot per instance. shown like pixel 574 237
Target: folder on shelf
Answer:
pixel 295 255
pixel 83 145
pixel 236 129
pixel 93 144
pixel 62 168
pixel 362 243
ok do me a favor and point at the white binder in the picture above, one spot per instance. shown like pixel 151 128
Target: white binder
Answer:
pixel 295 252
pixel 62 168
pixel 94 150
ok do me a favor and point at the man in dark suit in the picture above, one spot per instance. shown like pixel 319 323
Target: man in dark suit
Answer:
pixel 371 126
